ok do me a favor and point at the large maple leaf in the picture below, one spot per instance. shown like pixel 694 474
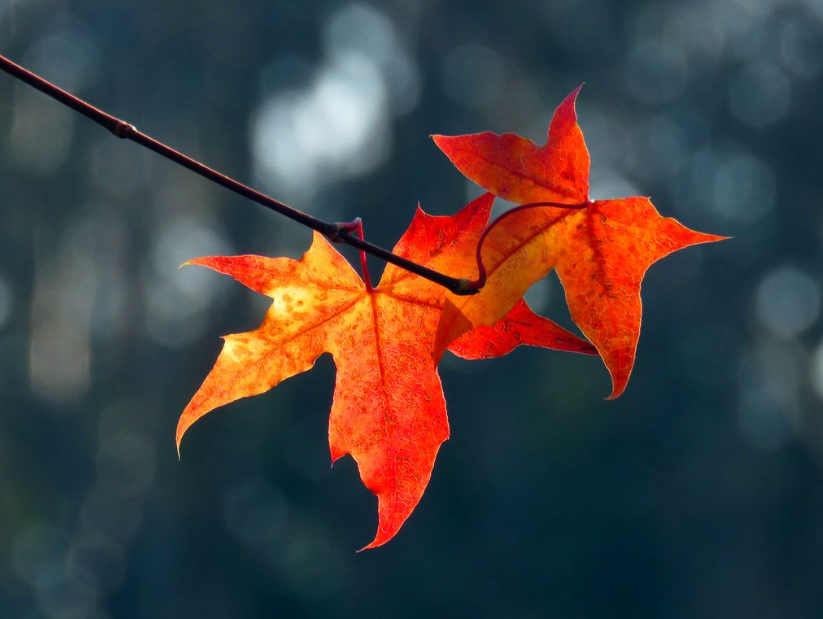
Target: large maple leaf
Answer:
pixel 601 249
pixel 388 410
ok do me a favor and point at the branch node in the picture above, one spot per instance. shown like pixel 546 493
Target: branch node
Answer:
pixel 465 287
pixel 122 129
pixel 340 227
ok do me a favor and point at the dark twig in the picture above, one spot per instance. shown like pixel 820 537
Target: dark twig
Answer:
pixel 339 233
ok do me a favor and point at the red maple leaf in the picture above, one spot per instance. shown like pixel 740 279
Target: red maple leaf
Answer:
pixel 600 249
pixel 388 411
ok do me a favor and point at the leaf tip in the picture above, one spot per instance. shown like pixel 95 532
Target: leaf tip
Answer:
pixel 620 369
pixel 570 101
pixel 620 380
pixel 182 427
pixel 202 261
pixel 335 453
pixel 444 141
pixel 378 541
pixel 700 238
pixel 588 349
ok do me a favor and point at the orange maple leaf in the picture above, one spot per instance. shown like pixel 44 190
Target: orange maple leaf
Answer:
pixel 601 249
pixel 388 410
pixel 521 326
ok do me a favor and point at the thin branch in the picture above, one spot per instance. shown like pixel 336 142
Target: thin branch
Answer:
pixel 339 233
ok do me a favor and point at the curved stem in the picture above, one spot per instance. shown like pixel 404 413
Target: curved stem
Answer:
pixel 336 232
pixel 478 283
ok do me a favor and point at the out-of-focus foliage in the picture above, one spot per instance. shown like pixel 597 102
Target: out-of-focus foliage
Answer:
pixel 698 493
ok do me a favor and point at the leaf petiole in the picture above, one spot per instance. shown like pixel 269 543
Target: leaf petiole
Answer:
pixel 478 283
pixel 356 226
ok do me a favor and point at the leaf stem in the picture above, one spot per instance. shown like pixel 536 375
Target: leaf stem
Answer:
pixel 357 227
pixel 478 283
pixel 127 131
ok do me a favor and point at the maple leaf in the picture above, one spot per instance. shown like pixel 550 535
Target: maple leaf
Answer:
pixel 600 250
pixel 520 327
pixel 388 411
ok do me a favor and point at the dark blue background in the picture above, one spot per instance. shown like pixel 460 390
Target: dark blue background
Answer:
pixel 696 494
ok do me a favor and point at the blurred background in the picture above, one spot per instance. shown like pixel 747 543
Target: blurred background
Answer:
pixel 697 493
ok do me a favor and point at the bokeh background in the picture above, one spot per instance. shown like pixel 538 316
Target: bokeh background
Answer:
pixel 696 494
